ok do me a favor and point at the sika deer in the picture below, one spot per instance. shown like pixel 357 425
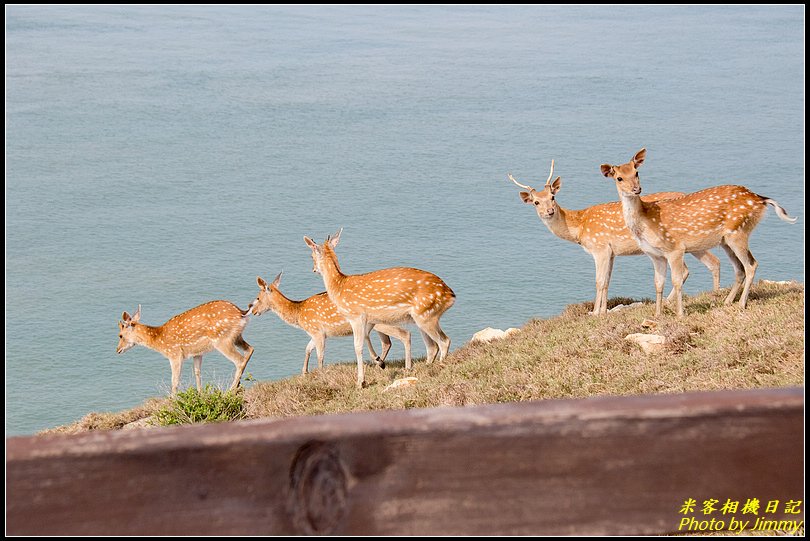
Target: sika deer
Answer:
pixel 391 296
pixel 319 317
pixel 213 325
pixel 665 230
pixel 601 232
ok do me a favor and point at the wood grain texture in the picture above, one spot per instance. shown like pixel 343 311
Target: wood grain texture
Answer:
pixel 612 465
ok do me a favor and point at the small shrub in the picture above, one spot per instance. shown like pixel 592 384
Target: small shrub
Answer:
pixel 211 405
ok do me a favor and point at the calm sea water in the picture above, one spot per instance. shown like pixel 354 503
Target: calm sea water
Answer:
pixel 166 156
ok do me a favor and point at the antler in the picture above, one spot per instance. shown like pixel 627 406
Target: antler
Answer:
pixel 550 173
pixel 518 183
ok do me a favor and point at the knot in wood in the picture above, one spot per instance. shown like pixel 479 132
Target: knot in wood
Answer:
pixel 318 489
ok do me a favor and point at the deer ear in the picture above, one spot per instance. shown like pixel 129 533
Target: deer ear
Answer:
pixel 120 326
pixel 525 197
pixel 333 241
pixel 137 316
pixel 277 279
pixel 638 159
pixel 125 317
pixel 311 243
pixel 261 283
pixel 607 169
pixel 556 185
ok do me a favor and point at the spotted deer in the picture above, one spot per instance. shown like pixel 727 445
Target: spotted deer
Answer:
pixel 319 317
pixel 213 325
pixel 601 232
pixel 393 296
pixel 665 230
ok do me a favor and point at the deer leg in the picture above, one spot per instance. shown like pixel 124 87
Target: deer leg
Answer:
pixel 240 342
pixel 359 327
pixel 403 335
pixel 660 269
pixel 671 295
pixel 712 263
pixel 198 370
pixel 177 366
pixel 432 328
pixel 739 244
pixel 248 349
pixel 228 349
pixel 739 272
pixel 385 342
pixel 307 353
pixel 679 273
pixel 606 283
pixel 601 263
pixel 320 348
pixel 431 347
pixel 376 358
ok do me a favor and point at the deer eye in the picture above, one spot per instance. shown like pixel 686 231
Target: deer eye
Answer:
pixel 619 179
pixel 120 336
pixel 552 198
pixel 537 203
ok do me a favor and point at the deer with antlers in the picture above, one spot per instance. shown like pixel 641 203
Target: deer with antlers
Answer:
pixel 600 230
pixel 213 325
pixel 665 230
pixel 319 317
pixel 393 296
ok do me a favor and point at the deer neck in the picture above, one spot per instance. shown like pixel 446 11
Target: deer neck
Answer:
pixel 150 337
pixel 330 271
pixel 565 224
pixel 633 211
pixel 288 310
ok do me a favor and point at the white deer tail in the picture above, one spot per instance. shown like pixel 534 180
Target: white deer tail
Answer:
pixel 782 213
pixel 246 312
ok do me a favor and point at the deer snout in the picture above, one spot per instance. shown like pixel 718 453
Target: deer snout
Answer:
pixel 637 190
pixel 550 212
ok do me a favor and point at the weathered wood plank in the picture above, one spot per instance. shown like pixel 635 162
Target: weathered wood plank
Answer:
pixel 613 465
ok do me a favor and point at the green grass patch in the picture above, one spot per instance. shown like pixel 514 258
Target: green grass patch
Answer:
pixel 211 405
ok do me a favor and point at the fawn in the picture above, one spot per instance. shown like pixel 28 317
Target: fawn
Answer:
pixel 391 296
pixel 319 317
pixel 213 325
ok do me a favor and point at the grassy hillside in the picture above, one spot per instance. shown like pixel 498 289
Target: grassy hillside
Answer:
pixel 571 355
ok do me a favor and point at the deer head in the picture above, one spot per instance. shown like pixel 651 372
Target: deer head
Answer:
pixel 320 252
pixel 127 333
pixel 268 295
pixel 543 200
pixel 626 175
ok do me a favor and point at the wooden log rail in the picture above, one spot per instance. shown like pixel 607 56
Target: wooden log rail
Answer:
pixel 608 465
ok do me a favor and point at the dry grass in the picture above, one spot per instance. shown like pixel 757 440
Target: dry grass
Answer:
pixel 110 420
pixel 572 355
pixel 577 355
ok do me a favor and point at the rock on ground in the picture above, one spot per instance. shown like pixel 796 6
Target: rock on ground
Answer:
pixel 489 334
pixel 649 343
